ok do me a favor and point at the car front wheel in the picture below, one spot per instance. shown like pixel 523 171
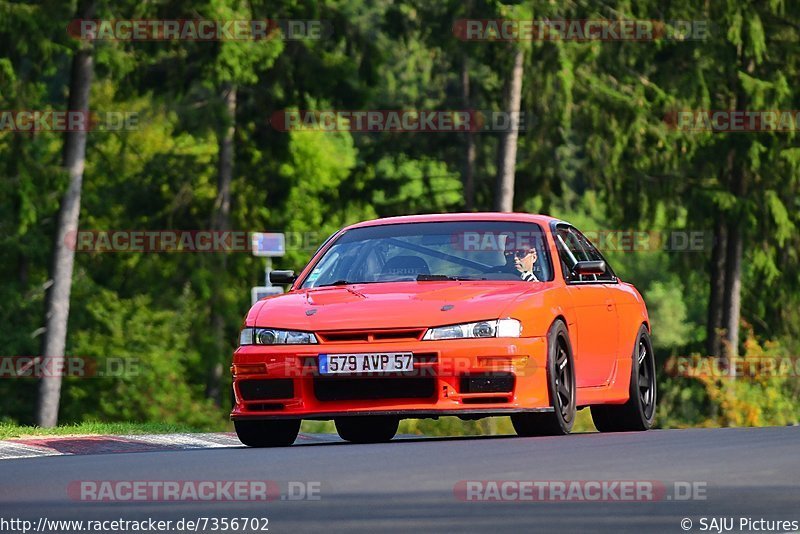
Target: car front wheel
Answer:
pixel 367 429
pixel 638 413
pixel 561 385
pixel 272 433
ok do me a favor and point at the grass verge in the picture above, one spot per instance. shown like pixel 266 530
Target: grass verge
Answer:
pixel 9 430
pixel 445 426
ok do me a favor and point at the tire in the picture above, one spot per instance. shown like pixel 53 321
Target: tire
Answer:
pixel 638 413
pixel 367 429
pixel 272 433
pixel 561 388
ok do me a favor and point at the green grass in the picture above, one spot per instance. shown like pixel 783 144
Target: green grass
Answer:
pixel 445 426
pixel 8 430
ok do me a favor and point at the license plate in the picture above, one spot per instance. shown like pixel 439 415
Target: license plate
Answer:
pixel 374 362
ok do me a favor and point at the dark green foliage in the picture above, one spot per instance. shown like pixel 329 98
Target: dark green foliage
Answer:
pixel 598 152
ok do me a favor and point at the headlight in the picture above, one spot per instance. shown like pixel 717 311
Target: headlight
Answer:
pixel 493 328
pixel 273 336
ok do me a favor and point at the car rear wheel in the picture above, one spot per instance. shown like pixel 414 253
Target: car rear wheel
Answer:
pixel 561 385
pixel 367 429
pixel 273 433
pixel 638 413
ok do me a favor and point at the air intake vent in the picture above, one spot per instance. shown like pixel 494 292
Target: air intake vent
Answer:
pixel 255 390
pixel 336 389
pixel 487 383
pixel 368 336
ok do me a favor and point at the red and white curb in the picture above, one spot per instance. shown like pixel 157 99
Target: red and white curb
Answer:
pixel 32 447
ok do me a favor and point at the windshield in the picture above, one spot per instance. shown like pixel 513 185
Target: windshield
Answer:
pixel 465 250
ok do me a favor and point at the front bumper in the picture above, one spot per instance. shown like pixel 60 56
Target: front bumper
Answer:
pixel 465 377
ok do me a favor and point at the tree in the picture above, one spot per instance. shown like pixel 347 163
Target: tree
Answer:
pixel 504 197
pixel 58 294
pixel 221 221
pixel 470 151
pixel 235 63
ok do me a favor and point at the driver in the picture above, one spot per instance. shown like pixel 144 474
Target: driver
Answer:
pixel 521 260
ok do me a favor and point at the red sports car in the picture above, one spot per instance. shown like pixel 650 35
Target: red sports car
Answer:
pixel 472 315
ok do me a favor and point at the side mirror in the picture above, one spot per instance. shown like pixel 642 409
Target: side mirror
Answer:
pixel 282 277
pixel 597 267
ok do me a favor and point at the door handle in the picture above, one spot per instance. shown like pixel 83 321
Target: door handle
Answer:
pixel 610 305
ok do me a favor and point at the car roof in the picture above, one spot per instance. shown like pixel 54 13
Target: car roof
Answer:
pixel 543 220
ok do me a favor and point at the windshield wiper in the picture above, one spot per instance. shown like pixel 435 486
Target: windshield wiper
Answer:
pixel 445 277
pixel 420 278
pixel 345 283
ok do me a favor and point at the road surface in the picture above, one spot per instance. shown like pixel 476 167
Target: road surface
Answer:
pixel 418 485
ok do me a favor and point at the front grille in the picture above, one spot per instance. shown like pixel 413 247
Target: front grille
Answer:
pixel 276 388
pixel 340 389
pixel 368 336
pixel 487 383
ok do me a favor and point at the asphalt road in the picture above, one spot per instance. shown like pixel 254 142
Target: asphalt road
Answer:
pixel 408 484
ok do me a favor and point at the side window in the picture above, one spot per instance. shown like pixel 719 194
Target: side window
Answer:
pixel 574 247
pixel 594 255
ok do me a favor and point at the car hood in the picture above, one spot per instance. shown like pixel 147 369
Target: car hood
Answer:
pixel 389 305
